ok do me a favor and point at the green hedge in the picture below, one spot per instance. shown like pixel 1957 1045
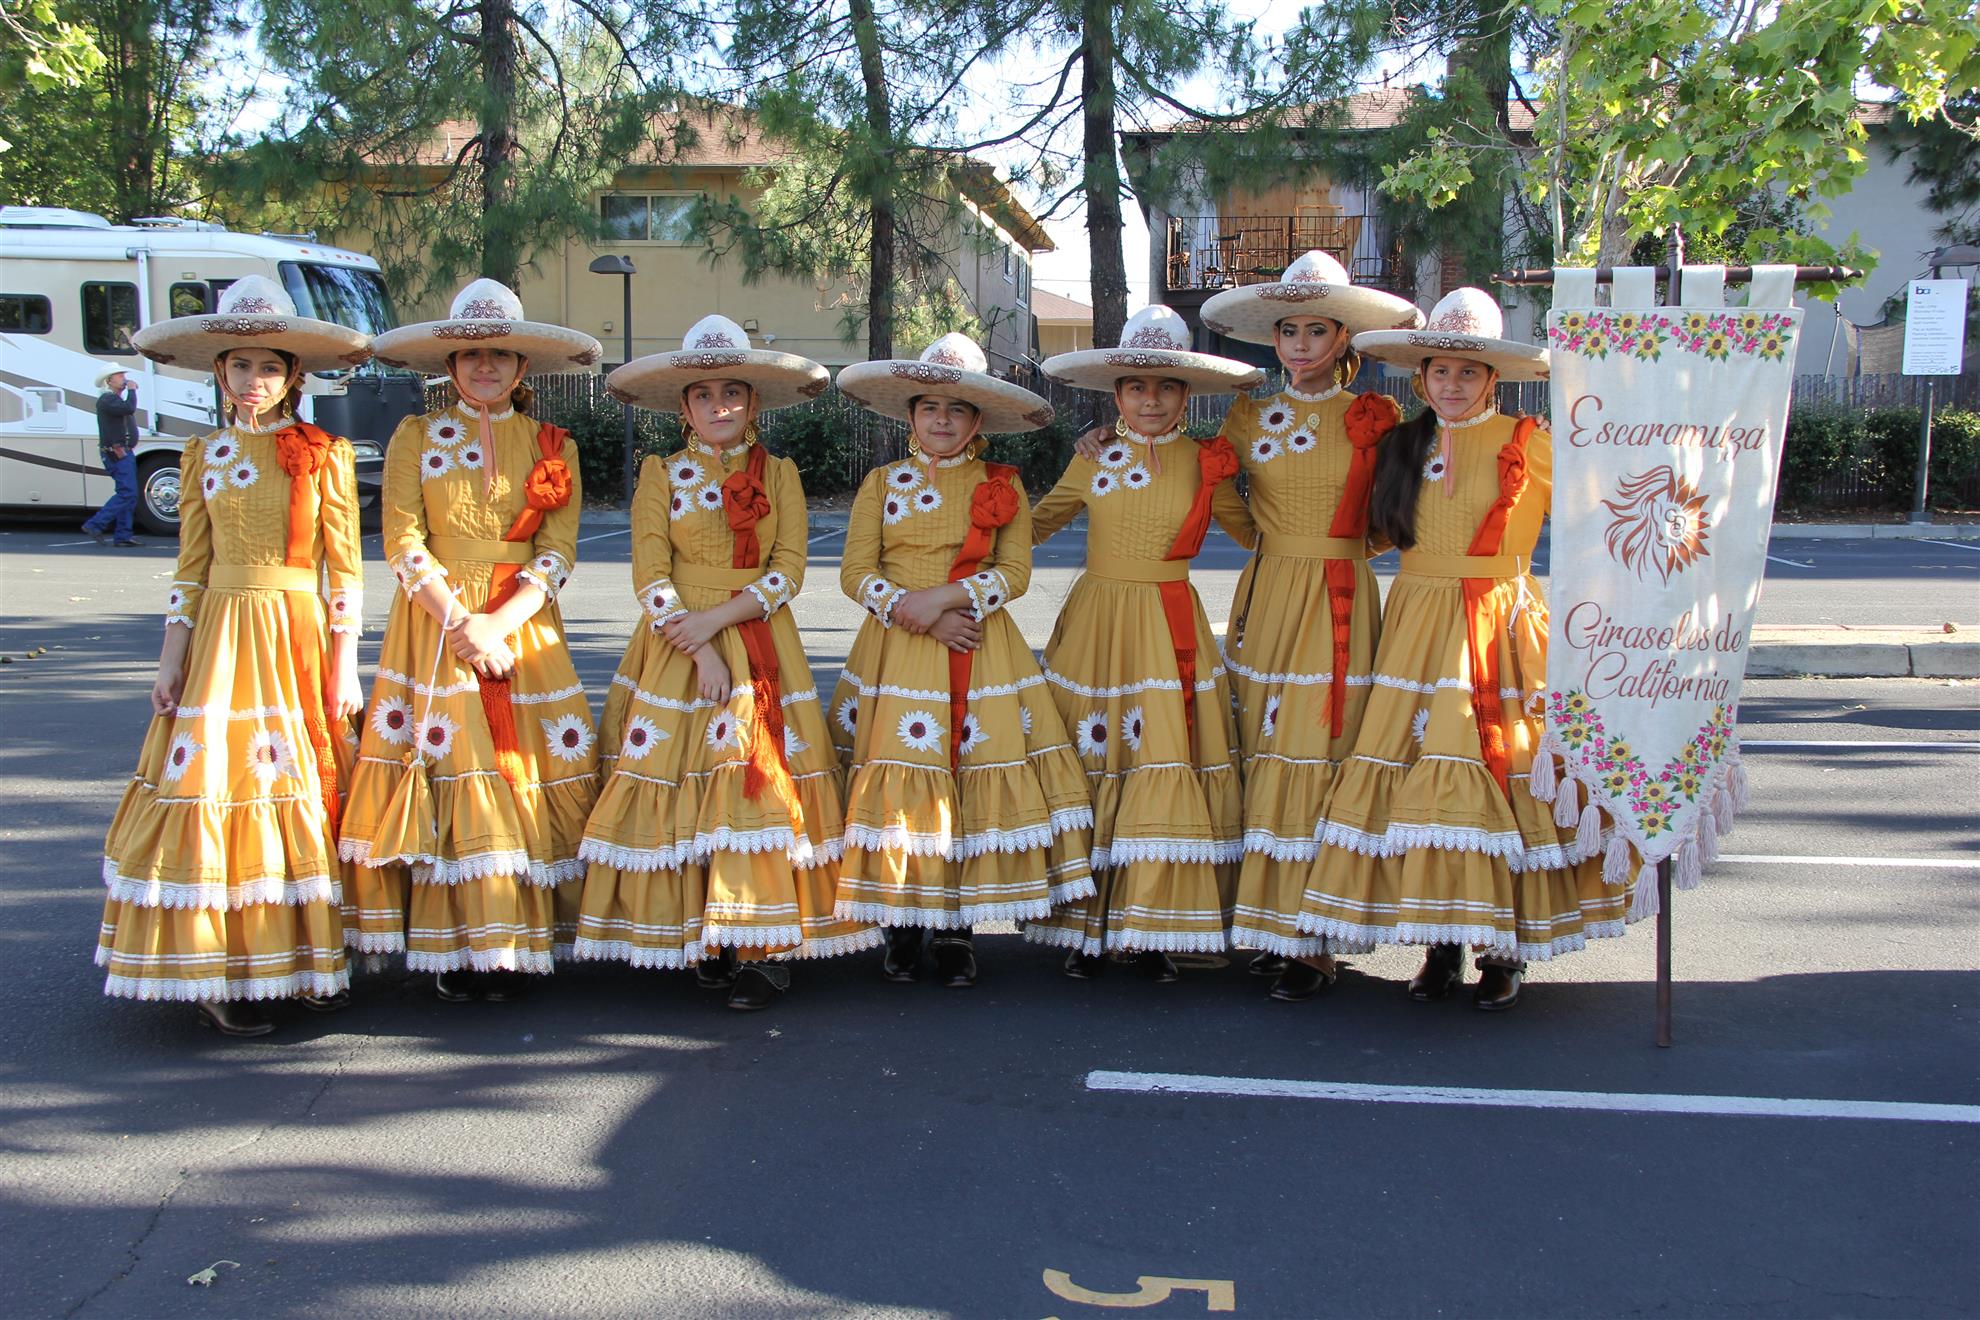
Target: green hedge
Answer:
pixel 1842 459
pixel 832 440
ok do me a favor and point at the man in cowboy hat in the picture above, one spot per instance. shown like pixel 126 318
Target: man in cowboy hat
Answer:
pixel 116 440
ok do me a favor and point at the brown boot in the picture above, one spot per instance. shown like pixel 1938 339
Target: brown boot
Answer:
pixel 1498 986
pixel 1441 973
pixel 235 1019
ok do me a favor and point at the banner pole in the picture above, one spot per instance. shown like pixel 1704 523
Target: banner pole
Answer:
pixel 1663 953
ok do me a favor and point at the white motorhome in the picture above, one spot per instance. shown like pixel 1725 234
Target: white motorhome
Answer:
pixel 73 289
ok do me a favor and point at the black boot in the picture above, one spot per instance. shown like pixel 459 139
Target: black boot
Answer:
pixel 1267 964
pixel 235 1019
pixel 332 1003
pixel 758 984
pixel 1082 966
pixel 1498 986
pixel 503 987
pixel 1441 973
pixel 902 963
pixel 1156 966
pixel 1302 980
pixel 456 987
pixel 955 959
pixel 717 973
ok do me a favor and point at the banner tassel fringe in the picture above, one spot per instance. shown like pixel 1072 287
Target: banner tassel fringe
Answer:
pixel 1588 834
pixel 1615 865
pixel 1567 810
pixel 1644 903
pixel 1540 780
pixel 1708 837
pixel 1690 869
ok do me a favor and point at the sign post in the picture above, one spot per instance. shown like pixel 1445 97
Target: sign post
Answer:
pixel 1934 345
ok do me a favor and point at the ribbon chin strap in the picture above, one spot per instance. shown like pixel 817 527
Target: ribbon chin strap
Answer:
pixel 547 487
pixel 992 505
pixel 1484 613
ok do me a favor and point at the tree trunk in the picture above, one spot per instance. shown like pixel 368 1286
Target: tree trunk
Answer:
pixel 1103 174
pixel 1487 54
pixel 880 199
pixel 501 257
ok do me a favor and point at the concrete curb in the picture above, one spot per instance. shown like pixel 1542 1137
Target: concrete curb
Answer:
pixel 1877 531
pixel 1861 653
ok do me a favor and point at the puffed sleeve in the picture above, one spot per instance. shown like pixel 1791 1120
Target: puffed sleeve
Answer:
pixel 653 543
pixel 402 514
pixel 555 544
pixel 1540 468
pixel 195 537
pixel 783 573
pixel 859 563
pixel 1005 574
pixel 343 554
pixel 1063 502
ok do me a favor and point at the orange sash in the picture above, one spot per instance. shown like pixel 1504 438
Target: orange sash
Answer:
pixel 992 504
pixel 1484 619
pixel 1369 418
pixel 1216 462
pixel 304 451
pixel 747 502
pixel 547 487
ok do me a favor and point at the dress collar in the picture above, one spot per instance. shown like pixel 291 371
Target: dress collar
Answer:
pixel 1135 437
pixel 468 414
pixel 1490 412
pixel 246 427
pixel 1321 397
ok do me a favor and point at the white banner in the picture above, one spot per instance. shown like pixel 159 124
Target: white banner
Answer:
pixel 1667 424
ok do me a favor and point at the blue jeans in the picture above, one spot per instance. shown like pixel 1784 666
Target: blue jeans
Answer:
pixel 122 505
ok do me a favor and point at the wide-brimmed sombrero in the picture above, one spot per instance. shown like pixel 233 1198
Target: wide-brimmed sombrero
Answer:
pixel 1465 323
pixel 1314 285
pixel 254 312
pixel 485 314
pixel 716 348
pixel 1154 342
pixel 953 366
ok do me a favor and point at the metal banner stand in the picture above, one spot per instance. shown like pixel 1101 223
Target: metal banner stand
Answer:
pixel 1670 274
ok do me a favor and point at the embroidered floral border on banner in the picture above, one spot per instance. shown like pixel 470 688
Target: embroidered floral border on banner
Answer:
pixel 1668 425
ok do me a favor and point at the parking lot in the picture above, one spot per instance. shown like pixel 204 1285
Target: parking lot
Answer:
pixel 619 1145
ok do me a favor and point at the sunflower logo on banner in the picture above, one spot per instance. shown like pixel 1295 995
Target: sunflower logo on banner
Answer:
pixel 1668 424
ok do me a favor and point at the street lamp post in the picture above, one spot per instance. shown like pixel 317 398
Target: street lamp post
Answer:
pixel 623 266
pixel 1962 254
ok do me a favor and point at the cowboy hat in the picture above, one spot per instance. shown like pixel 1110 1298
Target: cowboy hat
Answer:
pixel 485 314
pixel 1314 285
pixel 1465 323
pixel 1154 342
pixel 716 348
pixel 254 312
pixel 953 366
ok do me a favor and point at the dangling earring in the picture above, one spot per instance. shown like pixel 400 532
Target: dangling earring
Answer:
pixel 914 447
pixel 1121 429
pixel 688 437
pixel 751 435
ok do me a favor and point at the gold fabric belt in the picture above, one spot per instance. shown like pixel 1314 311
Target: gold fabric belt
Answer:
pixel 271 577
pixel 1123 569
pixel 1463 566
pixel 1313 547
pixel 467 549
pixel 723 579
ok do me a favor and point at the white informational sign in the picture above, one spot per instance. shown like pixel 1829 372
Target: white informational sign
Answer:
pixel 1935 328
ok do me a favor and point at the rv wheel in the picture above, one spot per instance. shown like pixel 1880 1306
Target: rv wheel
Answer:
pixel 158 495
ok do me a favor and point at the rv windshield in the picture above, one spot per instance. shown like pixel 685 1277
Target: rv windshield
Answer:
pixel 355 298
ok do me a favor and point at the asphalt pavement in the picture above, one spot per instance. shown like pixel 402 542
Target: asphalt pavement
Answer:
pixel 621 1145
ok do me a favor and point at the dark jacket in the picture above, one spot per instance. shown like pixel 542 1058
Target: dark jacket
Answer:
pixel 116 420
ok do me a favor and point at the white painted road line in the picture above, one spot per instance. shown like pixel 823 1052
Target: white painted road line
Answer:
pixel 1784 859
pixel 599 536
pixel 1791 563
pixel 829 531
pixel 1783 743
pixel 1739 1106
pixel 1951 545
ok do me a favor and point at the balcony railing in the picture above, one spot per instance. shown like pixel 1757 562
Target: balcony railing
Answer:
pixel 1212 252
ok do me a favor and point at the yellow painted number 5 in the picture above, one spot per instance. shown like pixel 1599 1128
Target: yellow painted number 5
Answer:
pixel 1150 1290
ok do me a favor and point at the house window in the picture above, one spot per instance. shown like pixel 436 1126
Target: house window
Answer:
pixel 1023 281
pixel 1007 261
pixel 110 316
pixel 190 299
pixel 26 314
pixel 648 217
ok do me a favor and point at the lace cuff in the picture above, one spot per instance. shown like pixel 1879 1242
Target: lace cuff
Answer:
pixel 988 590
pixel 660 601
pixel 879 596
pixel 417 567
pixel 549 571
pixel 347 610
pixel 182 603
pixel 772 591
